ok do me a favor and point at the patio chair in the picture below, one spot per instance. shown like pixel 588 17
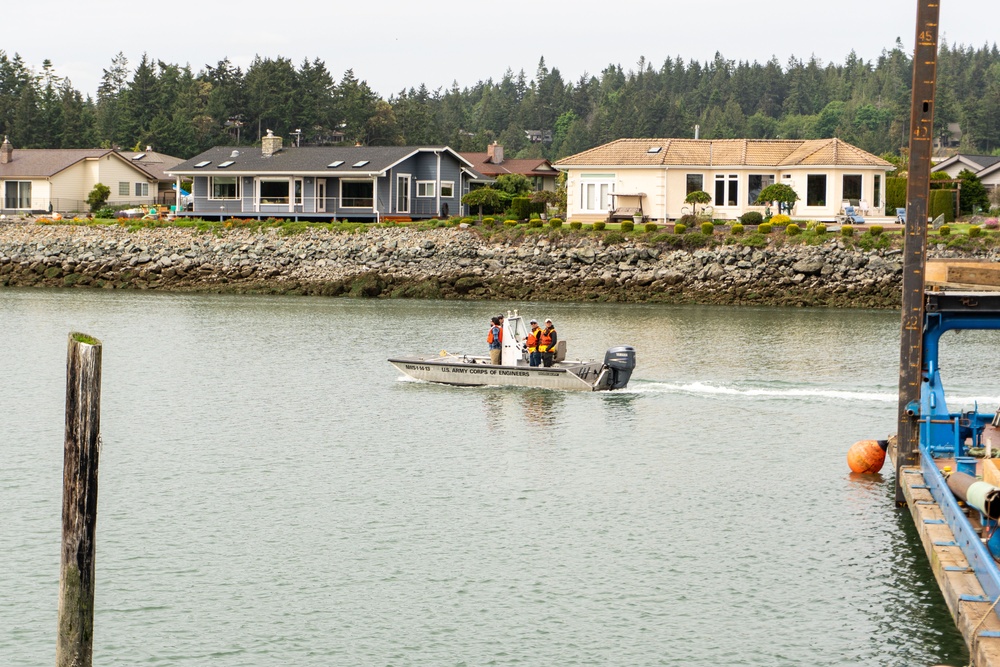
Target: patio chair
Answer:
pixel 853 217
pixel 901 216
pixel 863 207
pixel 844 205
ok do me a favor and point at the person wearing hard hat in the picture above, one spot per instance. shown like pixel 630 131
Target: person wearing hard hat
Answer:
pixel 534 341
pixel 547 346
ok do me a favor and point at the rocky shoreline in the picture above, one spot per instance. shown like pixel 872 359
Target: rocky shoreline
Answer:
pixel 448 263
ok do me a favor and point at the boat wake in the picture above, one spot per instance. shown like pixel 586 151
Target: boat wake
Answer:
pixel 880 395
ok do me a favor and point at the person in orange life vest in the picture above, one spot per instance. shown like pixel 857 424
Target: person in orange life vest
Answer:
pixel 547 343
pixel 534 354
pixel 494 339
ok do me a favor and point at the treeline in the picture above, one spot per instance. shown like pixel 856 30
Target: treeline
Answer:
pixel 180 112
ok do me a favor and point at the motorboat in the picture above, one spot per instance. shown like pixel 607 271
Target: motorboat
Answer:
pixel 514 369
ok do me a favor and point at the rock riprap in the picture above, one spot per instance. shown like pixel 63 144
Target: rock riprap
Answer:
pixel 445 263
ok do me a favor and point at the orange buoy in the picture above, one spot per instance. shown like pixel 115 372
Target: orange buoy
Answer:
pixel 866 456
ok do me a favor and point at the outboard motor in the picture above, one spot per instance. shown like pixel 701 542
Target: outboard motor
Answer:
pixel 621 362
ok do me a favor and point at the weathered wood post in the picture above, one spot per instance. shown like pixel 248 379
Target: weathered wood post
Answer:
pixel 915 243
pixel 75 645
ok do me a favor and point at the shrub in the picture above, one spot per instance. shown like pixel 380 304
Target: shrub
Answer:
pixel 780 220
pixel 751 218
pixel 820 229
pixel 697 240
pixel 109 212
pixel 708 228
pixel 627 225
pixel 466 221
pixel 510 223
pixel 651 226
pixel 764 228
pixel 737 228
pixel 792 229
pixel 942 202
pixel 974 231
pixel 992 223
pixel 576 224
pixel 535 216
pixel 688 220
pixel 555 223
pixel 680 228
pixel 876 230
pixel 535 223
pixel 488 222
pixel 613 237
pixel 944 230
pixel 847 231
pixel 520 207
pixel 599 226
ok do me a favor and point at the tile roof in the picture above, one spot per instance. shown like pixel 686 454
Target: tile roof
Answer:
pixel 45 162
pixel 725 153
pixel 293 160
pixel 528 167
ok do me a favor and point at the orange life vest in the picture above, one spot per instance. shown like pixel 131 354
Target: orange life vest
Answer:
pixel 533 340
pixel 545 339
pixel 499 337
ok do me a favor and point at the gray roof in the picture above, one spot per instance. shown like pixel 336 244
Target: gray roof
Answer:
pixel 983 161
pixel 155 163
pixel 307 159
pixel 45 162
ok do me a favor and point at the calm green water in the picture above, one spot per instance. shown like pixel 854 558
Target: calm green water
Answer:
pixel 272 493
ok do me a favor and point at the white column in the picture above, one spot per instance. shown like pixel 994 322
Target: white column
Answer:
pixel 437 187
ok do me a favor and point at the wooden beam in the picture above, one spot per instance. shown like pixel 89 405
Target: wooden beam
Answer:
pixel 75 645
pixel 915 245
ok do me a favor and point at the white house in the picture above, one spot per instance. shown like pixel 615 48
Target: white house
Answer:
pixel 658 174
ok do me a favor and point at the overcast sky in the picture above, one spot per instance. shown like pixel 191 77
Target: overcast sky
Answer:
pixel 394 44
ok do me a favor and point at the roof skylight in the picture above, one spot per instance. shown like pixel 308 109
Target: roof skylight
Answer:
pixel 335 164
pixel 203 163
pixel 225 164
pixel 360 163
pixel 139 156
pixel 655 149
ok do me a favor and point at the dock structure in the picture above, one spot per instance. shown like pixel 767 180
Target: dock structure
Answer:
pixel 972 608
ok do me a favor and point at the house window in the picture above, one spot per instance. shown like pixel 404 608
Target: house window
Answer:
pixel 878 191
pixel 595 192
pixel 142 189
pixel 727 189
pixel 224 187
pixel 447 188
pixel 426 189
pixel 17 194
pixel 274 192
pixel 123 188
pixel 357 194
pixel 852 187
pixel 755 184
pixel 816 190
pixel 695 182
pixel 537 182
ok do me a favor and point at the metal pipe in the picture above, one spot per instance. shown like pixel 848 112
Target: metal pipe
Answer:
pixel 984 497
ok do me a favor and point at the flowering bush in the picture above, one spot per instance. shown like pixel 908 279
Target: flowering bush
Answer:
pixel 780 220
pixel 992 223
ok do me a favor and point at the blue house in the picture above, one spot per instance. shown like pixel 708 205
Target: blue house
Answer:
pixel 328 182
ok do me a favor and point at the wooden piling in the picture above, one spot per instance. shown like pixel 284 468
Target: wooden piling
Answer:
pixel 75 645
pixel 915 235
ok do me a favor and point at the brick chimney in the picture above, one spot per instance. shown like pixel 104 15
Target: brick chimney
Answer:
pixel 494 153
pixel 6 151
pixel 270 144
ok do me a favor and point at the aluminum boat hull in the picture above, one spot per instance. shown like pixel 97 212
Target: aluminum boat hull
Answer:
pixel 467 371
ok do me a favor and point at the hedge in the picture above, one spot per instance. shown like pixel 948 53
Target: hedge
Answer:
pixel 942 202
pixel 895 194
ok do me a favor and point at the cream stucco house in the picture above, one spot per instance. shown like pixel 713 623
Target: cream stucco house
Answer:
pixel 59 179
pixel 657 174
